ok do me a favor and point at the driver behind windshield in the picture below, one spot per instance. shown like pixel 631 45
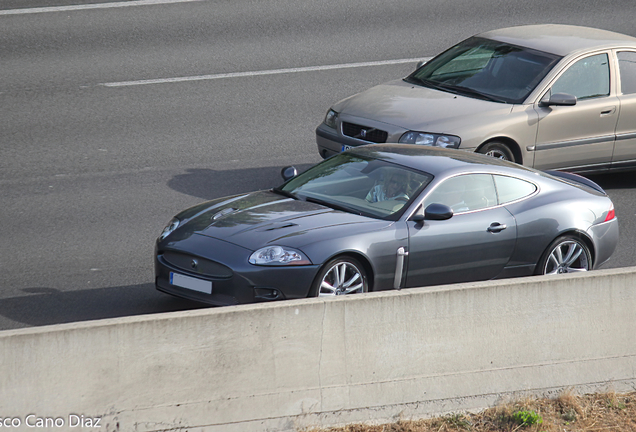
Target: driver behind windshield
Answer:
pixel 394 186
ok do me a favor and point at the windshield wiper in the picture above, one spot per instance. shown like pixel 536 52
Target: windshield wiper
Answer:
pixel 476 93
pixel 331 205
pixel 284 193
pixel 426 83
pixel 453 89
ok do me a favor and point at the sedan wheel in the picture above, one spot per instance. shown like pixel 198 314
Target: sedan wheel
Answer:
pixel 498 151
pixel 341 276
pixel 565 255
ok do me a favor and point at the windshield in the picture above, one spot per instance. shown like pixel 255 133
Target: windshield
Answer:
pixel 486 69
pixel 369 187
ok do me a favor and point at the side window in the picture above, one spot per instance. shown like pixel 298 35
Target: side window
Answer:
pixel 587 78
pixel 511 189
pixel 465 193
pixel 627 67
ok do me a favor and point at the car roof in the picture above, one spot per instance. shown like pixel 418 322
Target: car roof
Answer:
pixel 436 161
pixel 560 39
pixel 444 163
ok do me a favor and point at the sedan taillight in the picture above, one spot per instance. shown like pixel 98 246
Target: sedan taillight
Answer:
pixel 611 214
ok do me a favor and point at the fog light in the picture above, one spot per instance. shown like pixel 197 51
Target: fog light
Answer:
pixel 267 294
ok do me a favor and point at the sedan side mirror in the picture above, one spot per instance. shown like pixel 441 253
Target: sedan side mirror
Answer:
pixel 558 99
pixel 438 212
pixel 288 172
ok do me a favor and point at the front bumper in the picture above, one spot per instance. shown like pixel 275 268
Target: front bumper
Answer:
pixel 233 279
pixel 331 140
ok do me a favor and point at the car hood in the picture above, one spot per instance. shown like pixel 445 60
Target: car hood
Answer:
pixel 264 218
pixel 414 107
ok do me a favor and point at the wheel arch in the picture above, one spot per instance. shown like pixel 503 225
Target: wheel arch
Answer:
pixel 512 145
pixel 363 259
pixel 580 235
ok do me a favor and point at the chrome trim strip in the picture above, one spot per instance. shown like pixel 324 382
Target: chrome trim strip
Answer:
pixel 625 136
pixel 624 163
pixel 590 167
pixel 420 199
pixel 584 141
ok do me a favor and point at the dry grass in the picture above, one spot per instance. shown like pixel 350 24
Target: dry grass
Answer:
pixel 605 412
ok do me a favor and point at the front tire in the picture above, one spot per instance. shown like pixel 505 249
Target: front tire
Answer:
pixel 566 254
pixel 498 151
pixel 343 275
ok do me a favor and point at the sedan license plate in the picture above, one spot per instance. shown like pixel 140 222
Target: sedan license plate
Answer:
pixel 190 283
pixel 346 147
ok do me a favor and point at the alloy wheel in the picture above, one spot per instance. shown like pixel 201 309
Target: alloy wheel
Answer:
pixel 342 278
pixel 496 153
pixel 568 256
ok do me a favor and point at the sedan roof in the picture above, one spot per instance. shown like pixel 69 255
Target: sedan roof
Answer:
pixel 434 160
pixel 560 39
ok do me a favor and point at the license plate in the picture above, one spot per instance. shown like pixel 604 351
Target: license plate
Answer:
pixel 346 147
pixel 190 283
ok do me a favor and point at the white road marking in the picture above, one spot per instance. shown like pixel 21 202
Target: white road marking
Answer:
pixel 90 6
pixel 257 73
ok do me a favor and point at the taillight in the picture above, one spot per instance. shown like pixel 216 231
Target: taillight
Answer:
pixel 611 214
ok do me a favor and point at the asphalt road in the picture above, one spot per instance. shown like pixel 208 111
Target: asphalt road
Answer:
pixel 95 158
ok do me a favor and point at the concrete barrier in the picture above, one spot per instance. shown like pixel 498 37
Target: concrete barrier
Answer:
pixel 292 365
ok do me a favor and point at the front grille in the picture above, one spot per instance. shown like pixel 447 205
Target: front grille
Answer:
pixel 364 133
pixel 196 265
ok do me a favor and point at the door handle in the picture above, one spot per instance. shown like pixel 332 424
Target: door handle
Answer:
pixel 608 111
pixel 496 227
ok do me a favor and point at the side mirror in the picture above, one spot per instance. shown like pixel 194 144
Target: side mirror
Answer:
pixel 288 172
pixel 438 212
pixel 558 99
pixel 420 64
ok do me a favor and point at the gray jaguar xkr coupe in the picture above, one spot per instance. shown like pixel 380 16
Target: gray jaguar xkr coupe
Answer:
pixel 383 217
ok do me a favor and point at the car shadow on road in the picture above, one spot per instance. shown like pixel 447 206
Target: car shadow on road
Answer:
pixel 616 180
pixel 209 184
pixel 46 306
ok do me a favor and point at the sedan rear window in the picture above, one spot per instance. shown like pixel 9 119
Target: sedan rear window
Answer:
pixel 487 69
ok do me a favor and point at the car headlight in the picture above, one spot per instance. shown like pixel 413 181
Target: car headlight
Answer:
pixel 278 255
pixel 331 118
pixel 172 225
pixel 429 139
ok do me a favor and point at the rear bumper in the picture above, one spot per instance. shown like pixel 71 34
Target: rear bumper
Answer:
pixel 605 238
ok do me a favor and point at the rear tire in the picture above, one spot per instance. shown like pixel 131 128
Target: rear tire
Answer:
pixel 498 151
pixel 342 275
pixel 566 254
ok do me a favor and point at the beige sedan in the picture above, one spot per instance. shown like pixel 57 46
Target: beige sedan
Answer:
pixel 545 96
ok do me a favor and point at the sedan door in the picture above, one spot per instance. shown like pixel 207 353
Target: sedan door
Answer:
pixel 581 135
pixel 625 149
pixel 474 244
